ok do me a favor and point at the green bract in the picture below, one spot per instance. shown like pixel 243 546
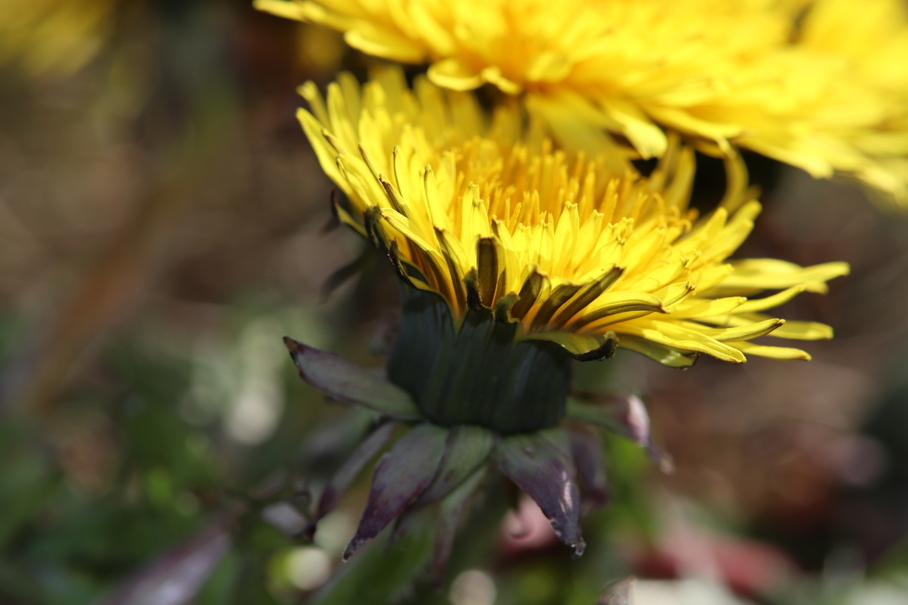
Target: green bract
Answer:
pixel 461 394
pixel 478 372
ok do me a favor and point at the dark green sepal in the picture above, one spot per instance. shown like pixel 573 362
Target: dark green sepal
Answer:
pixel 477 372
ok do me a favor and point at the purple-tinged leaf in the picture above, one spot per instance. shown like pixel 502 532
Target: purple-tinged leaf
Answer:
pixel 467 448
pixel 622 414
pixel 618 593
pixel 177 576
pixel 342 479
pixel 400 477
pixel 344 381
pixel 450 512
pixel 589 460
pixel 544 472
pixel 348 472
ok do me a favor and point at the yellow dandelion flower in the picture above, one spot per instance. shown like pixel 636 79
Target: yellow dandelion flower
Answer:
pixel 870 41
pixel 57 36
pixel 487 213
pixel 517 255
pixel 724 73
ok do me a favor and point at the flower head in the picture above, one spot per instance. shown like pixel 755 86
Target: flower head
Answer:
pixel 517 255
pixel 722 73
pixel 568 247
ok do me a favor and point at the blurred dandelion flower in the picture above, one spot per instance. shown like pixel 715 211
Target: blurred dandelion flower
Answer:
pixel 868 108
pixel 722 73
pixel 517 256
pixel 53 36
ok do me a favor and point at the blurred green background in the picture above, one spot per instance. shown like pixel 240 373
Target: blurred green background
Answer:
pixel 163 223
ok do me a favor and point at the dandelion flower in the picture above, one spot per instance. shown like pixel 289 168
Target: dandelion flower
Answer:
pixel 517 256
pixel 566 248
pixel 722 73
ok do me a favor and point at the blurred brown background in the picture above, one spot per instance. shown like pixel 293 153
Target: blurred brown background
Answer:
pixel 162 225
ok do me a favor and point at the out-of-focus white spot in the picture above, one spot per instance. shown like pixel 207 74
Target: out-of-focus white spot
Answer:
pixel 255 414
pixel 307 567
pixel 334 531
pixel 284 517
pixel 473 587
pixel 683 592
pixel 260 400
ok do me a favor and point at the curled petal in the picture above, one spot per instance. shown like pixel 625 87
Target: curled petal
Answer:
pixel 344 381
pixel 400 477
pixel 544 472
